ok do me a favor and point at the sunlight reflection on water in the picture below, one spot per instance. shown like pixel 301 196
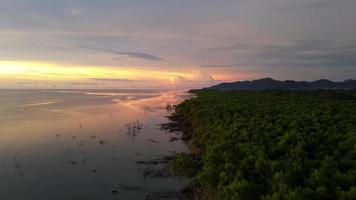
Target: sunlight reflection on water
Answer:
pixel 74 145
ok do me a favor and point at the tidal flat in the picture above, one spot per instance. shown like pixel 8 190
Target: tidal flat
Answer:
pixel 86 144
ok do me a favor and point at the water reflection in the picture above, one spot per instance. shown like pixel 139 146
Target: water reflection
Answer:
pixel 59 144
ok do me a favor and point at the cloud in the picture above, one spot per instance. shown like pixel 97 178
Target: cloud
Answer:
pixel 176 34
pixel 179 78
pixel 140 55
pixel 197 79
pixel 319 4
pixel 314 4
pixel 230 48
pixel 196 76
pixel 76 11
pixel 308 54
pixel 202 76
pixel 113 80
pixel 301 53
pixel 83 83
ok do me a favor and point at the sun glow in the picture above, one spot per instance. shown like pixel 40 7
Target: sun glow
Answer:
pixel 49 71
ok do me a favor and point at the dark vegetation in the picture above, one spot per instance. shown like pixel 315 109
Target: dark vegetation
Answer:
pixel 271 84
pixel 269 144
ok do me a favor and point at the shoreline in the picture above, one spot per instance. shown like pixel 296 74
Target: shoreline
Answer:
pixel 178 123
pixel 266 144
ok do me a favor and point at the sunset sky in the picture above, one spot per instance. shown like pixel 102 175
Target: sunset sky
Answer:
pixel 173 43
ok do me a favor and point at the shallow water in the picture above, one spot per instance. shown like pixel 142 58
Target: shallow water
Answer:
pixel 77 144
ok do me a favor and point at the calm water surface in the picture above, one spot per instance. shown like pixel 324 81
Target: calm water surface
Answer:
pixel 77 144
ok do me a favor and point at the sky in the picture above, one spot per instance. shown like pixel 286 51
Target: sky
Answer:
pixel 173 43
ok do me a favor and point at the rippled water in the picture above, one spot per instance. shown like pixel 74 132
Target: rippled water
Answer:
pixel 76 144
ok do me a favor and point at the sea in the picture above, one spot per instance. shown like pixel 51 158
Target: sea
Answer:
pixel 87 144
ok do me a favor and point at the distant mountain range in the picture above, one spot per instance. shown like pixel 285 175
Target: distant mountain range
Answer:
pixel 271 84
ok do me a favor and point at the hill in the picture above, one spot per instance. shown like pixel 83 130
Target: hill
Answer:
pixel 271 84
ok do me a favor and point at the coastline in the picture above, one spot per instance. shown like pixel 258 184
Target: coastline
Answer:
pixel 266 144
pixel 178 122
